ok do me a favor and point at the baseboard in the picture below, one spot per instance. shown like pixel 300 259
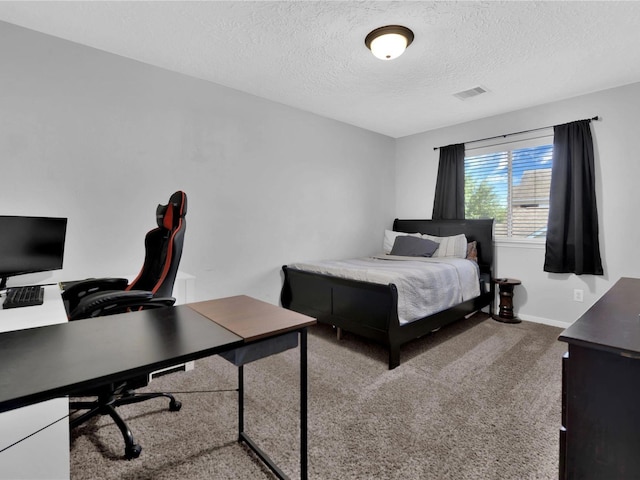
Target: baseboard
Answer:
pixel 176 368
pixel 545 321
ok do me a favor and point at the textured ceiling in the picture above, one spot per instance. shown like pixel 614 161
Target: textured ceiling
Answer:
pixel 311 55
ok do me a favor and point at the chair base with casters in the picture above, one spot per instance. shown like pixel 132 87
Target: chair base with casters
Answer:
pixel 115 396
pixel 112 396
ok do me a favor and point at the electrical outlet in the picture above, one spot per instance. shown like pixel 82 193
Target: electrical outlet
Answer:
pixel 578 295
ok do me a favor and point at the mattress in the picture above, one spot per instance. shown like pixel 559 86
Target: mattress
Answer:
pixel 425 285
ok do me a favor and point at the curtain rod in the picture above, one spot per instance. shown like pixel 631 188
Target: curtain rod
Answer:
pixel 515 133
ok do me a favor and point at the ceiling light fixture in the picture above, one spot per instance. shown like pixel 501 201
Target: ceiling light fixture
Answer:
pixel 389 42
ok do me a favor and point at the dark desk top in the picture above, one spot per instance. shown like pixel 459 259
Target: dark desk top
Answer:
pixel 41 363
pixel 612 323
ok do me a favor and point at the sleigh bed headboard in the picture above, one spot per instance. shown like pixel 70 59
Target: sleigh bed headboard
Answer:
pixel 480 231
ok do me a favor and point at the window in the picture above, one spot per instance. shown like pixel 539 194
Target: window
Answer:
pixel 510 185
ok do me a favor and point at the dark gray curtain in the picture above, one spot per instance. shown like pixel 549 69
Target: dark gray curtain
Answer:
pixel 572 234
pixel 449 198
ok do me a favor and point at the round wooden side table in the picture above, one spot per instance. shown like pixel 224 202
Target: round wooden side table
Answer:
pixel 506 300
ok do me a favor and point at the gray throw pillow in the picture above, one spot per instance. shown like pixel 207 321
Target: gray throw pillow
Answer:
pixel 413 247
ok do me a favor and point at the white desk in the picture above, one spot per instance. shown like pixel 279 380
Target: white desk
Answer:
pixel 45 455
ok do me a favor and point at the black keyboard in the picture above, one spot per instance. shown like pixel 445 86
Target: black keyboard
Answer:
pixel 23 296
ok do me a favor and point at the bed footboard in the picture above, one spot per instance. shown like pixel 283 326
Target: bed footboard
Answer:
pixel 366 309
pixel 362 308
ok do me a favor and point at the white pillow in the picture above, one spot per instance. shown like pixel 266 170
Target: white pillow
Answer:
pixel 455 246
pixel 390 238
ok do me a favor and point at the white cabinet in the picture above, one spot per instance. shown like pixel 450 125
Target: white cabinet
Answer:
pixel 44 455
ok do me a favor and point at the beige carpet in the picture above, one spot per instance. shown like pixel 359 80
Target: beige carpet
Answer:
pixel 476 400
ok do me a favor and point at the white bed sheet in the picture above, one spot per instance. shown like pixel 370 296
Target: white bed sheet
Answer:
pixel 425 285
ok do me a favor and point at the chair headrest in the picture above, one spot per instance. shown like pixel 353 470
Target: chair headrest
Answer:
pixel 168 216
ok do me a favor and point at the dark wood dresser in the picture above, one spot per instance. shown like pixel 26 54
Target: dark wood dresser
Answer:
pixel 600 433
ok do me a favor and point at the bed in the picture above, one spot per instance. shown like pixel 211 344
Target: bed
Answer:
pixel 370 309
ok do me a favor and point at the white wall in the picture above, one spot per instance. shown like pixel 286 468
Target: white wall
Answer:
pixel 101 139
pixel 546 297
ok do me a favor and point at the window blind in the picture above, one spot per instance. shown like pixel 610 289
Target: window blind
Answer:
pixel 511 186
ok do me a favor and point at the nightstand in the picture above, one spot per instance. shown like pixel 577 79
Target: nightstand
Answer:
pixel 506 286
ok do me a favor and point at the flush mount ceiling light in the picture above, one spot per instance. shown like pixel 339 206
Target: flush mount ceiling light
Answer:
pixel 389 42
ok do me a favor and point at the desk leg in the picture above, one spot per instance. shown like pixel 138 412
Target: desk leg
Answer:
pixel 243 437
pixel 240 402
pixel 304 464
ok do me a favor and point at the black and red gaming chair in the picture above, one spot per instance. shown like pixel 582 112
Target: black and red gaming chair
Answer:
pixel 152 288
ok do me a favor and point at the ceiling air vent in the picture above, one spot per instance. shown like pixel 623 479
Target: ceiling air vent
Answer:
pixel 472 92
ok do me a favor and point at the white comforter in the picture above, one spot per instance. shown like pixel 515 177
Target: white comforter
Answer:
pixel 425 285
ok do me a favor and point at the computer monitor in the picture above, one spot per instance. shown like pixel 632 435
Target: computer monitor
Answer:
pixel 30 245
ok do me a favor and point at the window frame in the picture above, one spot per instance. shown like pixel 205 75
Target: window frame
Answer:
pixel 538 138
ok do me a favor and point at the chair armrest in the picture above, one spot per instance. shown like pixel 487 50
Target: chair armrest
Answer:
pixel 117 301
pixel 91 285
pixel 72 294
